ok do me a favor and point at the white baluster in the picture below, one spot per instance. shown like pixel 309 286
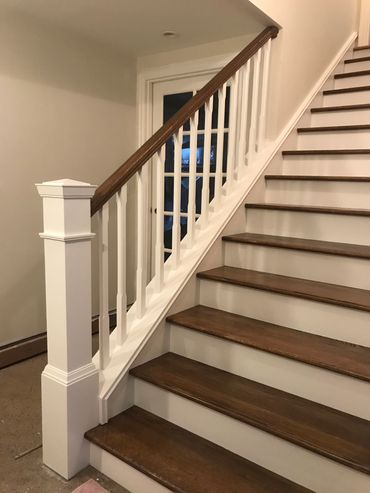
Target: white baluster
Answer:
pixel 264 89
pixel 254 111
pixel 192 177
pixel 103 222
pixel 207 159
pixel 244 114
pixel 220 143
pixel 141 268
pixel 159 250
pixel 121 200
pixel 176 226
pixel 232 131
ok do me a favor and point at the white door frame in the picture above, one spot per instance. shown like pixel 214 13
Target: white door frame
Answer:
pixel 147 78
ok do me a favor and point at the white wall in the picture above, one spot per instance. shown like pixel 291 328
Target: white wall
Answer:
pixel 206 50
pixel 312 33
pixel 67 109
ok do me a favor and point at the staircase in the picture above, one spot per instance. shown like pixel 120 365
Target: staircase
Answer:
pixel 271 370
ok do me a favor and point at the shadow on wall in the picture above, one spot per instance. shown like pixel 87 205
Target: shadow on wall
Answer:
pixel 67 62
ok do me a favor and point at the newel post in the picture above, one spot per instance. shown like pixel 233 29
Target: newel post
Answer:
pixel 70 379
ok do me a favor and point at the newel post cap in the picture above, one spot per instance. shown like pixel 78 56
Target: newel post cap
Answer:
pixel 66 188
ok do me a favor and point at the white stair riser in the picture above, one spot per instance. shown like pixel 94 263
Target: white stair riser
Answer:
pixel 123 474
pixel 358 81
pixel 310 382
pixel 349 139
pixel 333 269
pixel 356 97
pixel 325 193
pixel 356 66
pixel 361 53
pixel 314 226
pixel 345 117
pixel 273 453
pixel 346 165
pixel 324 319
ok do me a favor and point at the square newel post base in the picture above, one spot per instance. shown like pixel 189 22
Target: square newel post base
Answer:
pixel 69 408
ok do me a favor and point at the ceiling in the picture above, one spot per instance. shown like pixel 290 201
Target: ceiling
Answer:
pixel 135 27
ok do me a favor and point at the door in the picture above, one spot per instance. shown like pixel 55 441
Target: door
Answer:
pixel 168 98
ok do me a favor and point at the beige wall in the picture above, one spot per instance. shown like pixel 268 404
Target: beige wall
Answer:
pixel 67 109
pixel 312 33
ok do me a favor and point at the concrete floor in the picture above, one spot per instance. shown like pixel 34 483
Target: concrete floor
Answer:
pixel 20 430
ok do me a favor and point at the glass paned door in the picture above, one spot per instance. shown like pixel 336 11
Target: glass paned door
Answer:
pixel 170 103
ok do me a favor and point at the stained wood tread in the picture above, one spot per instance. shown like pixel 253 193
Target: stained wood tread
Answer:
pixel 347 107
pixel 323 292
pixel 180 460
pixel 334 128
pixel 357 73
pixel 318 178
pixel 324 152
pixel 310 208
pixel 334 434
pixel 340 357
pixel 303 244
pixel 356 60
pixel 346 89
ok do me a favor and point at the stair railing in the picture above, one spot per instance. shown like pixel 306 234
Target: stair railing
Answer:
pixel 246 74
pixel 71 379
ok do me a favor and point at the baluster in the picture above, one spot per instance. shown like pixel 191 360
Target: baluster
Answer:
pixel 220 143
pixel 192 177
pixel 254 110
pixel 244 114
pixel 103 222
pixel 121 200
pixel 264 89
pixel 159 249
pixel 206 159
pixel 141 269
pixel 232 131
pixel 176 225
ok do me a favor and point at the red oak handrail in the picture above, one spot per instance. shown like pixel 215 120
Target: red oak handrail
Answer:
pixel 137 160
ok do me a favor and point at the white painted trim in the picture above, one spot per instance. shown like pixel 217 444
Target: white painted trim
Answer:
pixel 67 238
pixel 69 378
pixel 147 78
pixel 141 330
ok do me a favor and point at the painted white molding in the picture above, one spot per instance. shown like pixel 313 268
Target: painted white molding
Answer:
pixel 122 357
pixel 364 24
pixel 70 381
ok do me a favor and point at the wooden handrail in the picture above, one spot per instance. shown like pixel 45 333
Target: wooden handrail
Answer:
pixel 137 160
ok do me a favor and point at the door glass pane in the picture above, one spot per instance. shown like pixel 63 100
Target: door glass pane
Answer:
pixel 171 104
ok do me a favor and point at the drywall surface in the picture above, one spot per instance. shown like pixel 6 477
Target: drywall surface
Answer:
pixel 312 33
pixel 206 50
pixel 68 110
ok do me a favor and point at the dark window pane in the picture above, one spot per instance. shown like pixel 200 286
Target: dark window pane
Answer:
pixel 173 102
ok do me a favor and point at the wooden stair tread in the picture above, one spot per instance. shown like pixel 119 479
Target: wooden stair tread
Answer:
pixel 334 128
pixel 347 107
pixel 357 73
pixel 341 357
pixel 317 246
pixel 356 60
pixel 324 152
pixel 301 288
pixel 326 431
pixel 180 460
pixel 346 89
pixel 310 208
pixel 361 179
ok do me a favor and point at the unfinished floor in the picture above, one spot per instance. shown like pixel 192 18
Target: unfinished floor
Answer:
pixel 20 431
